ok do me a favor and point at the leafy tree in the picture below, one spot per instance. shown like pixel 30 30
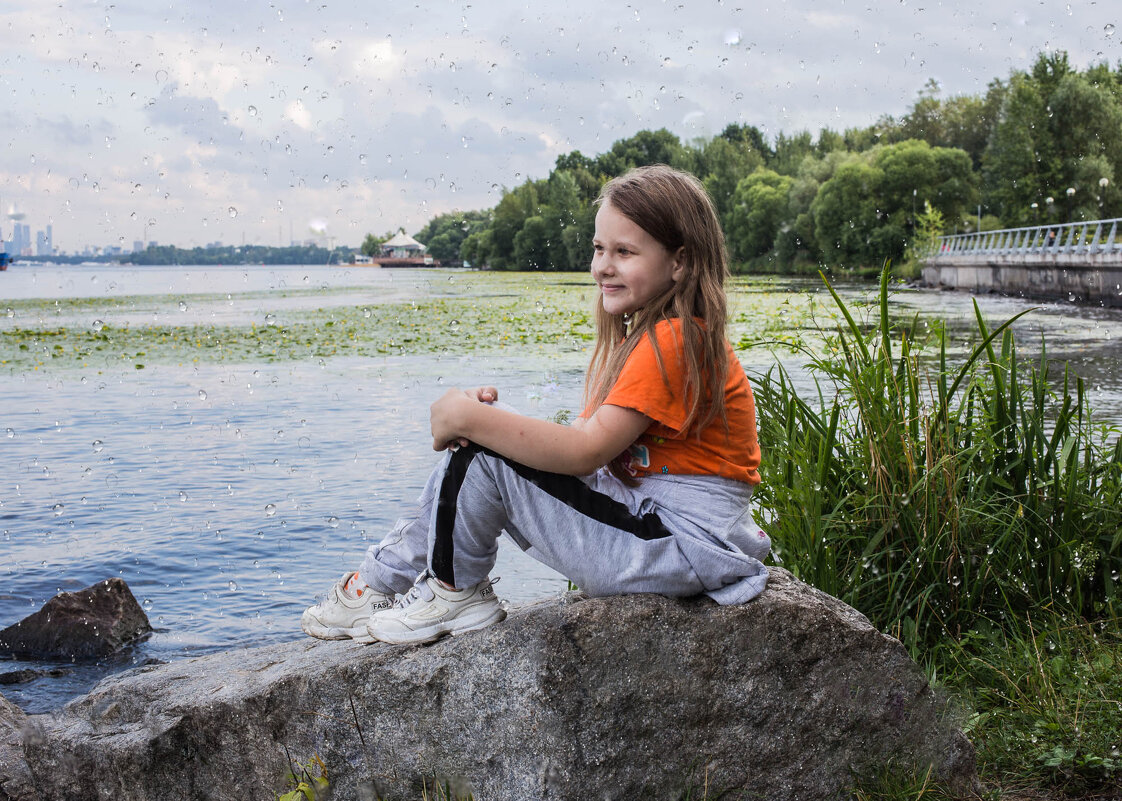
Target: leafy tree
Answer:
pixel 722 163
pixel 640 150
pixel 445 233
pixel 372 245
pixel 758 209
pixel 747 138
pixel 846 215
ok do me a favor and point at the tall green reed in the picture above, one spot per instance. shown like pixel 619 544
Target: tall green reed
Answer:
pixel 939 497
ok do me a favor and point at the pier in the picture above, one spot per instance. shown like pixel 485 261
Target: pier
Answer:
pixel 1079 261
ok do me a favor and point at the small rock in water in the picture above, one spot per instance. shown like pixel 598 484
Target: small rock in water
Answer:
pixel 88 624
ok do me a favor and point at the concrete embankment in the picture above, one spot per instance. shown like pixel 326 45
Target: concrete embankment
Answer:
pixel 1061 276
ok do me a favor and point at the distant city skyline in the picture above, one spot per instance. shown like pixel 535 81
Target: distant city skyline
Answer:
pixel 267 124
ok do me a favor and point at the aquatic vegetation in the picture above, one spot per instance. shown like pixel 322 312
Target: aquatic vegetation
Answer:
pixel 478 312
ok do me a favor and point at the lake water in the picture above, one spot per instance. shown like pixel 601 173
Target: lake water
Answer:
pixel 229 493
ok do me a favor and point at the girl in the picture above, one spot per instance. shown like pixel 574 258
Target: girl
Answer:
pixel 647 491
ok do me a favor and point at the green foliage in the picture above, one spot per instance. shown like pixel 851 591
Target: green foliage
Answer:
pixel 1045 696
pixel 307 782
pixel 372 245
pixel 444 235
pixel 850 200
pixel 758 206
pixel 929 227
pixel 936 497
pixel 247 254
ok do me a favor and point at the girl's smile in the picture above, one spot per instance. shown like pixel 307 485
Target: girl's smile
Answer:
pixel 629 265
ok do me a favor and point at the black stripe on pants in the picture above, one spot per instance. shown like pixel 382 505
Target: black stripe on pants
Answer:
pixel 570 490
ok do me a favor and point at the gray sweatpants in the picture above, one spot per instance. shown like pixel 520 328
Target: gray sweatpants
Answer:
pixel 673 535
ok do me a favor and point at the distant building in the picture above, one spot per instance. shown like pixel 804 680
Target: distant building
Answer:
pixel 403 246
pixel 44 242
pixel 19 243
pixel 137 246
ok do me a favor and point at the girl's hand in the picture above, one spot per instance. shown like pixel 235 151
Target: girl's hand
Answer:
pixel 483 394
pixel 446 416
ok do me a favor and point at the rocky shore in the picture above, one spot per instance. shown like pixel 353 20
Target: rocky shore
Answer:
pixel 788 697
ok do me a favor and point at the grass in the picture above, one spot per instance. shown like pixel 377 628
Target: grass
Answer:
pixel 972 509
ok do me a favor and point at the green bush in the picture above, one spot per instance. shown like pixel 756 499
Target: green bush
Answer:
pixel 940 498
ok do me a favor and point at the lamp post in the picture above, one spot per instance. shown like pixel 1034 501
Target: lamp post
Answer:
pixel 1070 192
pixel 1035 212
pixel 1104 182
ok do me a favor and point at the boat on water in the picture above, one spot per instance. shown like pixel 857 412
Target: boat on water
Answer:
pixel 5 260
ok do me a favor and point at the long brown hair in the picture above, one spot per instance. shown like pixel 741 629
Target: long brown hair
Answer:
pixel 672 207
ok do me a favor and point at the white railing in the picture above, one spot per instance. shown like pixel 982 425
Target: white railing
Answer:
pixel 1091 238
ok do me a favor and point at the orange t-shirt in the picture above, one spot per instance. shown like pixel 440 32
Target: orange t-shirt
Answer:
pixel 664 448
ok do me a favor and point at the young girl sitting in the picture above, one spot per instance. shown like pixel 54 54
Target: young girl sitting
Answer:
pixel 647 491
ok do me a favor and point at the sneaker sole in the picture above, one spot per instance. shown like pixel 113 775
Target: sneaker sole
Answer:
pixel 433 633
pixel 358 634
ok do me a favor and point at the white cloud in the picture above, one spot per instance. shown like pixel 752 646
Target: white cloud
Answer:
pixel 371 124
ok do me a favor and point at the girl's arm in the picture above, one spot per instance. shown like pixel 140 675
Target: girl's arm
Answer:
pixel 571 450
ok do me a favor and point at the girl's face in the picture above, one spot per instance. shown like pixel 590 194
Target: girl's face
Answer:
pixel 629 265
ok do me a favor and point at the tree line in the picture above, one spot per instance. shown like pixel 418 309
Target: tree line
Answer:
pixel 1042 146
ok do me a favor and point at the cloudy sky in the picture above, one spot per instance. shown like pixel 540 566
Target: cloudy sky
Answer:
pixel 259 122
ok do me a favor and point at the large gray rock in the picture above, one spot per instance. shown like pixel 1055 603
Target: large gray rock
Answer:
pixel 87 624
pixel 15 778
pixel 572 698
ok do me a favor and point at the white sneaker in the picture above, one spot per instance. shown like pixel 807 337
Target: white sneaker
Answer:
pixel 430 610
pixel 340 616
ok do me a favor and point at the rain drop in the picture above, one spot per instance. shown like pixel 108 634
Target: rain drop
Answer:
pixel 11 433
pixel 182 496
pixel 57 509
pixel 270 319
pixel 98 325
pixel 252 111
pixel 233 585
pixel 232 212
pixel 97 445
pixel 270 509
pixel 1108 29
pixel 183 305
pixel 202 394
pixel 333 521
pixel 454 325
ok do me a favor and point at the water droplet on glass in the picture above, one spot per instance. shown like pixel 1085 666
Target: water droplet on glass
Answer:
pixel 232 212
pixel 252 111
pixel 202 394
pixel 147 603
pixel 11 433
pixel 366 313
pixel 270 509
pixel 454 325
pixel 233 585
pixel 182 496
pixel 11 312
pixel 270 319
pixel 1108 29
pixel 732 38
pixel 333 521
pixel 57 509
pixel 98 325
pixel 183 305
pixel 97 445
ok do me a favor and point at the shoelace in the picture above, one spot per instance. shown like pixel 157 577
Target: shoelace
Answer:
pixel 419 591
